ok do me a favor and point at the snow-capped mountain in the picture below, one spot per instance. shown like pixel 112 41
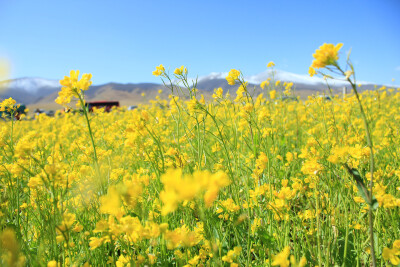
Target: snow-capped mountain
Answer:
pixel 31 85
pixel 28 90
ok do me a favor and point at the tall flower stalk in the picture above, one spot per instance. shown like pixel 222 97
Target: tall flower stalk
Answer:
pixel 327 57
pixel 9 107
pixel 73 87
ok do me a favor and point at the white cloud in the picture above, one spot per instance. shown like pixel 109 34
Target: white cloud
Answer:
pixel 279 75
pixel 214 75
pixel 397 68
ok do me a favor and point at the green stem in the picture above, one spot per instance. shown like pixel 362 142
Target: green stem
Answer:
pixel 372 165
pixel 84 108
pixel 12 133
pixel 346 240
pixel 318 227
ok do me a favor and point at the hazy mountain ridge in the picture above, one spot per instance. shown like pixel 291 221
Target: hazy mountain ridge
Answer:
pixel 40 91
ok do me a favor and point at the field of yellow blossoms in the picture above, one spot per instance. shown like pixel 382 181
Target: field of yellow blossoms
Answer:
pixel 241 180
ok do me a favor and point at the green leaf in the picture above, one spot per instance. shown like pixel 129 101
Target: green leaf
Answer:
pixel 362 189
pixel 374 203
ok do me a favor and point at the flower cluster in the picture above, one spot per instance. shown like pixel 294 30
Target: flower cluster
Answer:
pixel 392 254
pixel 159 70
pixel 179 187
pixel 8 105
pixel 326 55
pixel 233 76
pixel 180 71
pixel 73 87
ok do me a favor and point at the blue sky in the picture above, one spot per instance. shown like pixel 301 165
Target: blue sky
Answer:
pixel 123 41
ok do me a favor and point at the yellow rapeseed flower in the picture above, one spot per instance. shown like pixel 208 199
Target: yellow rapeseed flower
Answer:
pixel 311 71
pixel 281 259
pixel 392 255
pixel 396 244
pixel 181 70
pixel 326 55
pixel 264 84
pixel 272 94
pixel 301 263
pixel 9 244
pixel 8 105
pixel 72 86
pixel 110 203
pixel 232 255
pixel 179 188
pixel 218 93
pixel 159 70
pixel 233 75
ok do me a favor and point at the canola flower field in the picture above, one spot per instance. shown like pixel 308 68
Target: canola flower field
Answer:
pixel 237 181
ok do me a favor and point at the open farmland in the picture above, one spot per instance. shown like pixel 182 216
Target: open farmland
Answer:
pixel 243 180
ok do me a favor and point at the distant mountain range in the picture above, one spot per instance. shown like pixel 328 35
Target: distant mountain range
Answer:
pixel 38 92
